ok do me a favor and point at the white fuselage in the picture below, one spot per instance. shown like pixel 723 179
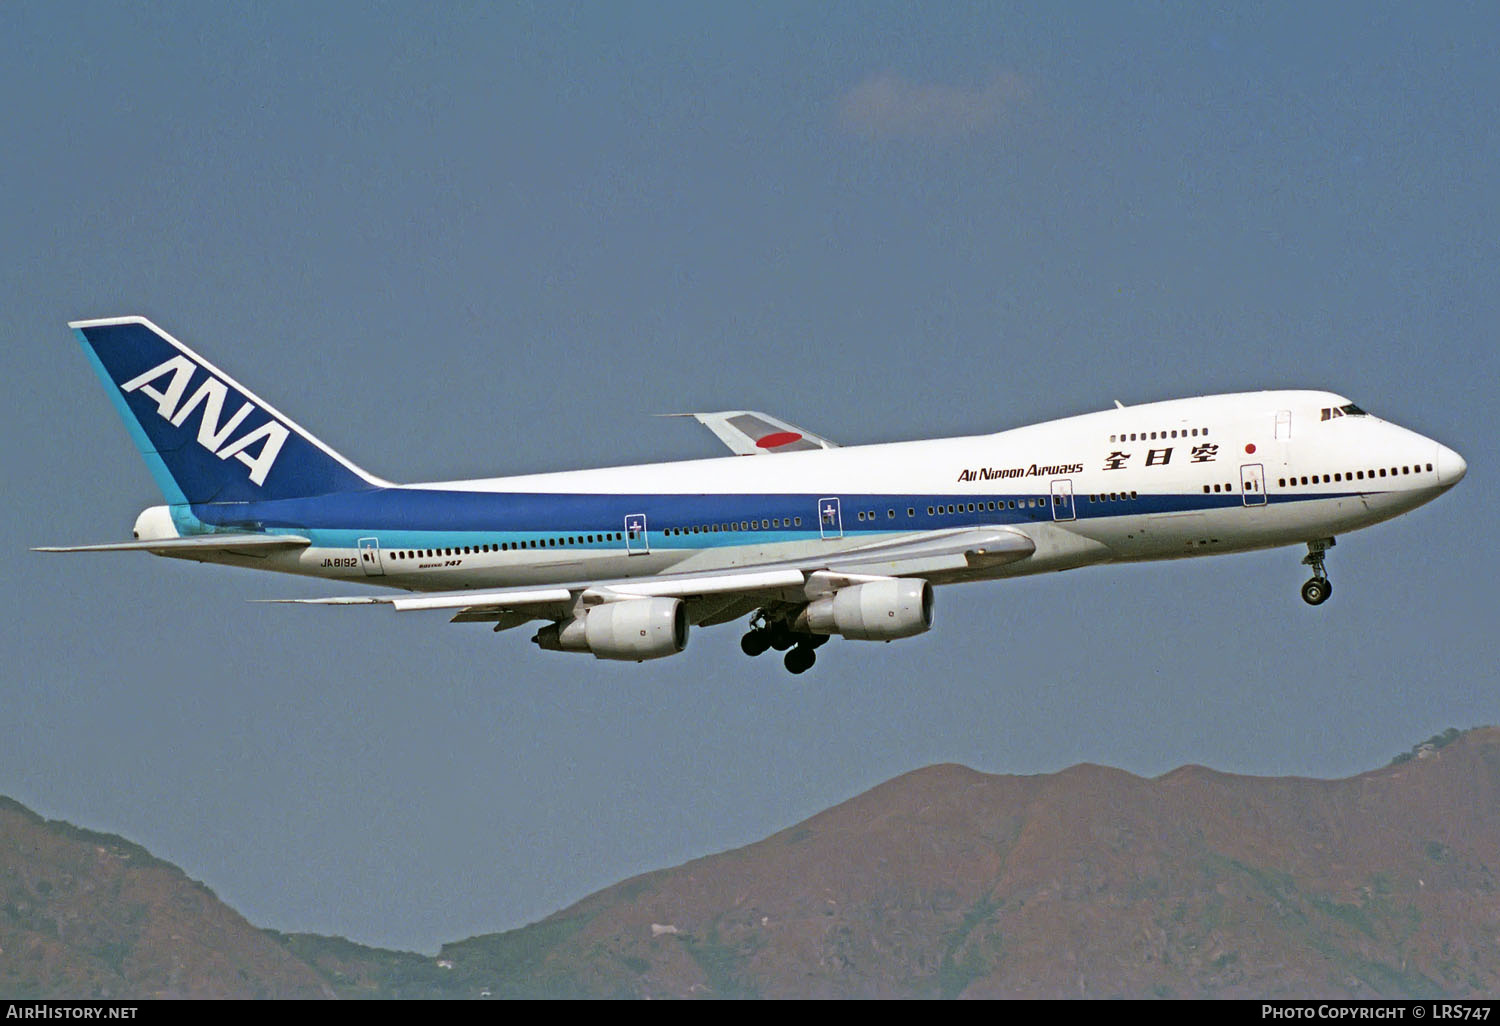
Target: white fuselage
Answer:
pixel 1185 477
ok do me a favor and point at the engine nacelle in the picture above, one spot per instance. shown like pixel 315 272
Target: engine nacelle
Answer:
pixel 634 629
pixel 878 611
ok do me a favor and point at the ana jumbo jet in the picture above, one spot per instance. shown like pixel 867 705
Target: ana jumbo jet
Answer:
pixel 808 539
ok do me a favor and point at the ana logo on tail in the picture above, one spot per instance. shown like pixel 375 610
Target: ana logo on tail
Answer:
pixel 213 433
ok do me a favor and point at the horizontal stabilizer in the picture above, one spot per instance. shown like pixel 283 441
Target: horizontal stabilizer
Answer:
pixel 197 543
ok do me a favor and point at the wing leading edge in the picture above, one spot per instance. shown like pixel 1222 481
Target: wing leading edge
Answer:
pixel 715 593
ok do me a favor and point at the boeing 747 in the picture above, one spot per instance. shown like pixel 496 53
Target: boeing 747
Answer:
pixel 805 538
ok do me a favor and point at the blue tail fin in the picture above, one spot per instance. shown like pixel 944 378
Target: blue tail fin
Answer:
pixel 205 437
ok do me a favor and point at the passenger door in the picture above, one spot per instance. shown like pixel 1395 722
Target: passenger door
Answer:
pixel 1062 500
pixel 830 518
pixel 1253 484
pixel 636 541
pixel 369 557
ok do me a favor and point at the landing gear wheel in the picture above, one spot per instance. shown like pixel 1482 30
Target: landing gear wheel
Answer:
pixel 800 659
pixel 781 638
pixel 1316 591
pixel 755 642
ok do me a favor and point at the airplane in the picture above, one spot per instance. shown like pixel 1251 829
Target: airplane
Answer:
pixel 806 538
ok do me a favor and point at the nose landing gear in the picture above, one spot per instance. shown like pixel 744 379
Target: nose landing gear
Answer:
pixel 1316 591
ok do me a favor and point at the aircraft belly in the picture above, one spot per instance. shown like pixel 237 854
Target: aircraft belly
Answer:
pixel 1058 547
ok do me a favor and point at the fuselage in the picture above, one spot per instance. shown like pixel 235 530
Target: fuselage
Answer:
pixel 1180 478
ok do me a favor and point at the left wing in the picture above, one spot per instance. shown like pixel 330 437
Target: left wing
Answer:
pixel 752 433
pixel 718 596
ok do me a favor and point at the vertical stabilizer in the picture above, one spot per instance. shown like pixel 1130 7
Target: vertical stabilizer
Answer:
pixel 206 437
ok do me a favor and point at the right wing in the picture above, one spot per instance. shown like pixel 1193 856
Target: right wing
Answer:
pixel 717 596
pixel 752 433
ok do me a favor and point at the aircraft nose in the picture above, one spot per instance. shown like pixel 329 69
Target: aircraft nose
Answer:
pixel 1451 467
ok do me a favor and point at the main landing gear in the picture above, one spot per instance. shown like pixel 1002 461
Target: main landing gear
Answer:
pixel 1316 591
pixel 776 634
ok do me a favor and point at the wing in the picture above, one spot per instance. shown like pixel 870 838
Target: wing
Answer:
pixel 720 596
pixel 751 433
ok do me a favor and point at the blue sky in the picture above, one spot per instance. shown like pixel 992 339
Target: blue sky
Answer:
pixel 491 239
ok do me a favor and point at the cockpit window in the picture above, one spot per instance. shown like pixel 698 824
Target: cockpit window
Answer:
pixel 1329 412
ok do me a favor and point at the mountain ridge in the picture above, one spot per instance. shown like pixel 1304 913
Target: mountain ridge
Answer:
pixel 941 882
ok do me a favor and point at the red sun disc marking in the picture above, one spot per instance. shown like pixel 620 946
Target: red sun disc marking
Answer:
pixel 1250 448
pixel 776 438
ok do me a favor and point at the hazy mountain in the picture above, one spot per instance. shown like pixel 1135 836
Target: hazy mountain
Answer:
pixel 91 915
pixel 943 882
pixel 1089 882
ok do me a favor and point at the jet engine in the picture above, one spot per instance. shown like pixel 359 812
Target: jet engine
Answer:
pixel 633 629
pixel 877 611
